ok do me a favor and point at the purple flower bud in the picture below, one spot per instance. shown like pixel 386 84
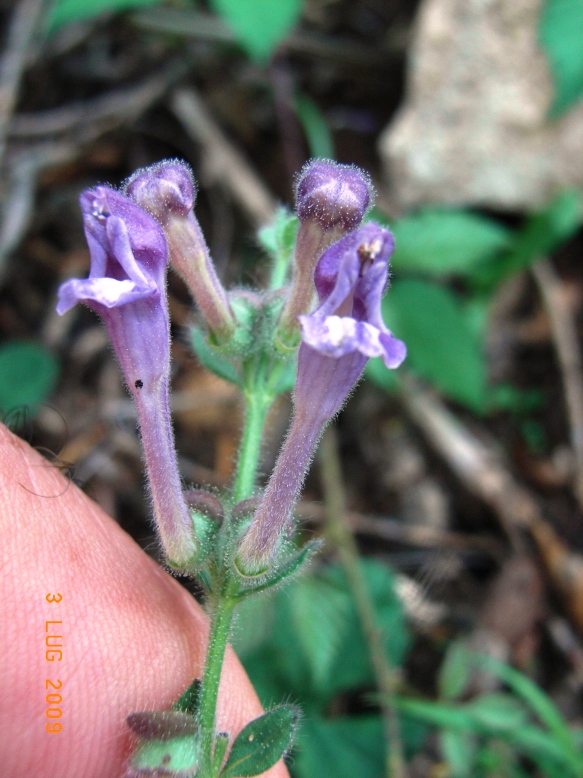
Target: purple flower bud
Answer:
pixel 332 194
pixel 331 200
pixel 338 338
pixel 167 191
pixel 127 288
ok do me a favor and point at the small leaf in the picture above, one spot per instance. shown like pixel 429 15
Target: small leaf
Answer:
pixel 445 242
pixel 455 671
pixel 441 345
pixel 497 711
pixel 260 25
pixel 262 743
pixel 213 361
pixel 315 126
pixel 561 36
pixel 28 374
pixel 67 11
pixel 188 702
pixel 279 240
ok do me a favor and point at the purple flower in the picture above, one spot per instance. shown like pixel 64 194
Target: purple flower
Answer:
pixel 338 339
pixel 127 288
pixel 331 199
pixel 167 191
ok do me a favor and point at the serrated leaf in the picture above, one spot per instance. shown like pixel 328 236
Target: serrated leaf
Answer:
pixel 259 25
pixel 561 36
pixel 211 359
pixel 441 345
pixel 262 743
pixel 319 611
pixel 188 702
pixel 28 374
pixel 445 242
pixel 343 747
pixel 67 11
pixel 455 671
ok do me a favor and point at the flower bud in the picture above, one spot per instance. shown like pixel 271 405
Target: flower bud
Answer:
pixel 167 191
pixel 331 200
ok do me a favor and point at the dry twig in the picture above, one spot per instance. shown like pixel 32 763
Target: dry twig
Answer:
pixel 222 161
pixel 561 319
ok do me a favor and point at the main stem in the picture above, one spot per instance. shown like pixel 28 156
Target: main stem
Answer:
pixel 258 401
pixel 218 637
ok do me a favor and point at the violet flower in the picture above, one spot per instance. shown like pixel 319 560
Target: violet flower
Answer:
pixel 338 339
pixel 167 191
pixel 331 200
pixel 127 288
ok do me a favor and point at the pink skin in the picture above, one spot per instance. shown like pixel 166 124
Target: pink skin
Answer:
pixel 133 639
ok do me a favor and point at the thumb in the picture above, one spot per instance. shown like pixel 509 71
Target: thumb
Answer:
pixel 131 638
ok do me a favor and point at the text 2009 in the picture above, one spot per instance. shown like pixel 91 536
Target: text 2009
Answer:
pixel 54 653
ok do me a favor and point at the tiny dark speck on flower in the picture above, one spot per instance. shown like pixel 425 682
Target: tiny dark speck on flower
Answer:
pixel 139 383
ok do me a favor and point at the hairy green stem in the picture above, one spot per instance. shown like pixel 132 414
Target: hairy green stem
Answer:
pixel 257 402
pixel 341 535
pixel 218 637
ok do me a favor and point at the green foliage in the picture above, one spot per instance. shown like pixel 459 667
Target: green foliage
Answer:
pixel 442 346
pixel 315 126
pixel 442 242
pixel 306 642
pixel 493 730
pixel 260 25
pixel 262 743
pixel 344 748
pixel 541 234
pixel 561 36
pixel 28 374
pixel 67 11
pixel 278 239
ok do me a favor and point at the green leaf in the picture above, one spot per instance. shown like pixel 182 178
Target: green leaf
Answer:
pixel 445 242
pixel 343 747
pixel 260 25
pixel 28 374
pixel 188 702
pixel 497 711
pixel 455 671
pixel 542 233
pixel 212 360
pixel 319 612
pixel 67 11
pixel 262 743
pixel 441 345
pixel 561 36
pixel 315 126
